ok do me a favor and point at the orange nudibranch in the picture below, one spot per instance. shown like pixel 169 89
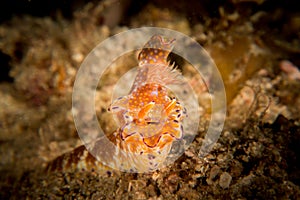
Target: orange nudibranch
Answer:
pixel 150 120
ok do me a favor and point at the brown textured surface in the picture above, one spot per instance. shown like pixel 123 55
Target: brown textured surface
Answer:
pixel 257 155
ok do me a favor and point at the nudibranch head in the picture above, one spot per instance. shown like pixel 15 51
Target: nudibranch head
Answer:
pixel 156 50
pixel 153 64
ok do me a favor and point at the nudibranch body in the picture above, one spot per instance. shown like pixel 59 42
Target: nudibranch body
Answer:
pixel 149 119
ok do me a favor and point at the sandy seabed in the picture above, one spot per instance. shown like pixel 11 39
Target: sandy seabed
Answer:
pixel 254 45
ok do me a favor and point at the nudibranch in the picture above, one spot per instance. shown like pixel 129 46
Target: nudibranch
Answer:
pixel 149 119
